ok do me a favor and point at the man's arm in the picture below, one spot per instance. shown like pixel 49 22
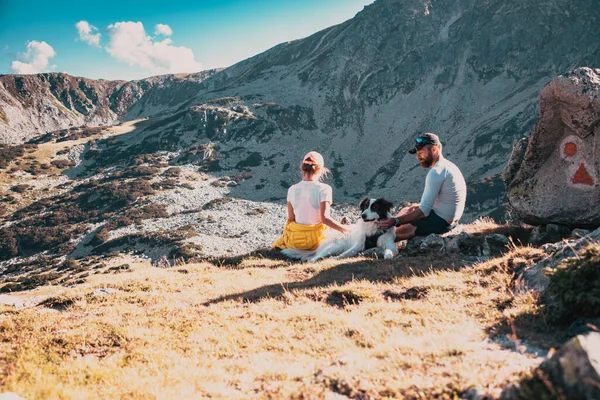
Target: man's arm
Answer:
pixel 433 184
pixel 413 215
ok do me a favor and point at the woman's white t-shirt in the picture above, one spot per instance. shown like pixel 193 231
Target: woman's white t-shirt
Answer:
pixel 306 198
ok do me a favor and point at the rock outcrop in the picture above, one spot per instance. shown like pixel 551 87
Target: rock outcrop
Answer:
pixel 534 278
pixel 557 178
pixel 573 372
pixel 31 105
pixel 463 244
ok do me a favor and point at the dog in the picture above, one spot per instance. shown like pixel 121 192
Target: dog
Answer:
pixel 364 234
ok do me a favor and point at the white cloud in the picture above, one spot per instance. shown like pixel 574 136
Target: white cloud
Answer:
pixel 35 59
pixel 85 33
pixel 162 29
pixel 129 43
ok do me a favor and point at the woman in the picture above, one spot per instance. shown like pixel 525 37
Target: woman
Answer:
pixel 308 208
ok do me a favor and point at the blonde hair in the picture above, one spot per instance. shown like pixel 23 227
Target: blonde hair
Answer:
pixel 311 170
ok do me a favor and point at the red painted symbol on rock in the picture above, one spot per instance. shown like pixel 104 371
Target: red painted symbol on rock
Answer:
pixel 582 176
pixel 570 149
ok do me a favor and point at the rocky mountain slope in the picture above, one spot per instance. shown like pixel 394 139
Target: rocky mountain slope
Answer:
pixel 359 92
pixel 32 105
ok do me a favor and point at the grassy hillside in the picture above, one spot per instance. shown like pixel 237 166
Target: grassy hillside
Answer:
pixel 257 326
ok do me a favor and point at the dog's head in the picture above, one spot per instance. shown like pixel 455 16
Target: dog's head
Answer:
pixel 375 209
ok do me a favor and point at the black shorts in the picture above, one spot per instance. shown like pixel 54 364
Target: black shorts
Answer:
pixel 433 223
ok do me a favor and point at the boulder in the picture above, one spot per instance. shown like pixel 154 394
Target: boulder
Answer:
pixel 534 278
pixel 557 179
pixel 462 243
pixel 579 233
pixel 550 233
pixel 426 244
pixel 497 244
pixel 573 372
pixel 466 244
pixel 432 243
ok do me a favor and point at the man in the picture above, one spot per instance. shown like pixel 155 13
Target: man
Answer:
pixel 443 200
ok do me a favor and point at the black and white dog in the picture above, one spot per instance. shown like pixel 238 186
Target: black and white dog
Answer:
pixel 364 234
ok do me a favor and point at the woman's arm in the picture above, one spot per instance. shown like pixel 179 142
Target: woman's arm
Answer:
pixel 291 215
pixel 327 220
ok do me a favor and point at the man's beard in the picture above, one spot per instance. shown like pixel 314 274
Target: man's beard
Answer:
pixel 427 162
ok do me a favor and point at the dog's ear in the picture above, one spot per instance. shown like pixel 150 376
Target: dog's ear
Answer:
pixel 386 205
pixel 364 203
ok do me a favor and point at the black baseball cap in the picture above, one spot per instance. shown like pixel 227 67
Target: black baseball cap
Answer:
pixel 424 140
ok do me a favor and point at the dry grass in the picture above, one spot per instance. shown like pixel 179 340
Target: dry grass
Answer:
pixel 485 226
pixel 257 327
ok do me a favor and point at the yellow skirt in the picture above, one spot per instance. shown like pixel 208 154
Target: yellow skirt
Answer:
pixel 300 237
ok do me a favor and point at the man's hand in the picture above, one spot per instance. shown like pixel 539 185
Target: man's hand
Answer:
pixel 386 223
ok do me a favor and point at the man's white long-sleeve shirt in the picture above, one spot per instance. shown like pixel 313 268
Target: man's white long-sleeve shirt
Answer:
pixel 445 191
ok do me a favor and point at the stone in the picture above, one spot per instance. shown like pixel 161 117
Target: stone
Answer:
pixel 433 243
pixel 466 244
pixel 515 159
pixel 583 326
pixel 558 179
pixel 534 278
pixel 573 372
pixel 453 243
pixel 579 233
pixel 497 243
pixel 552 248
pixel 550 233
pixel 414 244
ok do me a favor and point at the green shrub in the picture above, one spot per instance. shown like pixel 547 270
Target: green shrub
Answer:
pixel 20 188
pixel 9 154
pixel 8 244
pixel 168 183
pixel 172 172
pixel 149 211
pixel 574 287
pixel 62 163
pixel 187 252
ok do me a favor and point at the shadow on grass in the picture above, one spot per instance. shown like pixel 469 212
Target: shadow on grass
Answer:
pixel 237 261
pixel 533 328
pixel 372 270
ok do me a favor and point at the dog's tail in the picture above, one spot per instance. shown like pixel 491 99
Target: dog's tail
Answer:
pixel 298 254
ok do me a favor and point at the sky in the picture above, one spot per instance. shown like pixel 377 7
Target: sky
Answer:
pixel 128 40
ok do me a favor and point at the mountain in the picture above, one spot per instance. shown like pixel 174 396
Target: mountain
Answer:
pixel 31 105
pixel 359 92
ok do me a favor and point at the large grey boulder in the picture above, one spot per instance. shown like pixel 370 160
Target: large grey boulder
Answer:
pixel 573 372
pixel 558 179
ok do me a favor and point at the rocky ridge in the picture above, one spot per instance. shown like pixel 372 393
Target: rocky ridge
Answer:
pixel 361 90
pixel 32 105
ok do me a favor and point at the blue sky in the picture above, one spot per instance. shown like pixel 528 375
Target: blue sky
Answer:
pixel 39 36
